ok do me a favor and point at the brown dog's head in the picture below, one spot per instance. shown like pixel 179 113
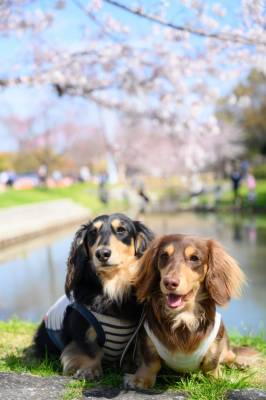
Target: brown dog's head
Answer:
pixel 182 267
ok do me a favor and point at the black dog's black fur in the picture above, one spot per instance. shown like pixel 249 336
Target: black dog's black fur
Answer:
pixel 85 286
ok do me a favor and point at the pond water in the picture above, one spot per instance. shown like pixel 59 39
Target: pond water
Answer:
pixel 32 274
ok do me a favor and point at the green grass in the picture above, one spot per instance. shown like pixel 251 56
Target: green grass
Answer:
pixel 182 197
pixel 16 353
pixel 75 388
pixel 16 356
pixel 201 387
pixel 260 194
pixel 258 342
pixel 227 198
pixel 85 194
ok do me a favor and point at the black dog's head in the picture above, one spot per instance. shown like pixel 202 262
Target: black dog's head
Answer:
pixel 102 250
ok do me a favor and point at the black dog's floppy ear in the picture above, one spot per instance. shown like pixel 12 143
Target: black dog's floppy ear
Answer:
pixel 72 270
pixel 143 238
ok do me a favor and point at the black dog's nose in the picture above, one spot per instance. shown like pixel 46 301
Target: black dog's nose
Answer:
pixel 103 254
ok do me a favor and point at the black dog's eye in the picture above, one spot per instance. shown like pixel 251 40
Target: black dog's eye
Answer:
pixel 121 229
pixel 93 232
pixel 194 258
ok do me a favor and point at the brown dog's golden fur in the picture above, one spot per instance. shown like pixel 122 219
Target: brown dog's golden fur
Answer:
pixel 182 279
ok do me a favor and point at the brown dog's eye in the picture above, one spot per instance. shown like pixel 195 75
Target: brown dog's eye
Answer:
pixel 164 256
pixel 194 258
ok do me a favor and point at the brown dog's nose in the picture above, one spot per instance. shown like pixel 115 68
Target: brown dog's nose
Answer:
pixel 171 283
pixel 103 254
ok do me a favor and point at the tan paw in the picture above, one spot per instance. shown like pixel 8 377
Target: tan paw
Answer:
pixel 138 382
pixel 215 373
pixel 89 373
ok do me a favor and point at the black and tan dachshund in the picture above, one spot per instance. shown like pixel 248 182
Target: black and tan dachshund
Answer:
pixel 99 313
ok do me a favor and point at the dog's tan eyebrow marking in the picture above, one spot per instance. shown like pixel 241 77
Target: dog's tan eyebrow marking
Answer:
pixel 189 250
pixel 170 249
pixel 116 223
pixel 98 224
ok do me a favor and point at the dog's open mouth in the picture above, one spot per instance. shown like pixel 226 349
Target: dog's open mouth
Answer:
pixel 174 300
pixel 177 300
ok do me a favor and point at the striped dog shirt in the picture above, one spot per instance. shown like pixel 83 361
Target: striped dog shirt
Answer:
pixel 113 334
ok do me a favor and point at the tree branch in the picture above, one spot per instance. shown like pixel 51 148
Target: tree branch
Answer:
pixel 95 20
pixel 198 32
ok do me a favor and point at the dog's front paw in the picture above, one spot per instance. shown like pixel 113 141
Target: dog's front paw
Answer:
pixel 89 373
pixel 138 382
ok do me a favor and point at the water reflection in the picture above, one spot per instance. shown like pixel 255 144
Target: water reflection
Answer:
pixel 244 230
pixel 32 275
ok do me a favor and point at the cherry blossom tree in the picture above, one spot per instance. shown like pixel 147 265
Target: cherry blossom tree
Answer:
pixel 171 72
pixel 43 140
pixel 145 148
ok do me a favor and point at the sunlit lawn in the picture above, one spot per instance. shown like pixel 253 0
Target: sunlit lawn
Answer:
pixel 260 202
pixel 85 194
pixel 17 356
pixel 227 198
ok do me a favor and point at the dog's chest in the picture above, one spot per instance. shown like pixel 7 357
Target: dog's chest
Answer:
pixel 117 331
pixel 184 362
pixel 117 334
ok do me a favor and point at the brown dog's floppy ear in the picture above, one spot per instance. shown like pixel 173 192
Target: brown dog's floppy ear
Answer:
pixel 72 270
pixel 148 276
pixel 224 277
pixel 143 238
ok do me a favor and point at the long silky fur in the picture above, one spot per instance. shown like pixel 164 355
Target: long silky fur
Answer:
pixel 86 286
pixel 185 330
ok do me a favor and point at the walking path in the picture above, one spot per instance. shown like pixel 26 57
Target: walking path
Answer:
pixel 28 221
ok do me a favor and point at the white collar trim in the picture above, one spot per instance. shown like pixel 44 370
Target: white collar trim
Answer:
pixel 185 362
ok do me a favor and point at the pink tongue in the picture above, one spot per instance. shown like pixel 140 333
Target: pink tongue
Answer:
pixel 174 300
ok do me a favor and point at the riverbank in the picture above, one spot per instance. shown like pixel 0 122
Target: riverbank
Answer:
pixel 211 197
pixel 30 221
pixel 85 194
pixel 16 357
pixel 224 200
pixel 163 197
pixel 27 214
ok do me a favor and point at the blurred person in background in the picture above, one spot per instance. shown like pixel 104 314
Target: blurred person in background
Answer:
pixel 236 181
pixel 103 192
pixel 143 197
pixel 7 178
pixel 84 174
pixel 42 174
pixel 251 186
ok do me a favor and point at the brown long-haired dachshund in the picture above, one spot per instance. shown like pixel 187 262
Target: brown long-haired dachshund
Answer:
pixel 182 279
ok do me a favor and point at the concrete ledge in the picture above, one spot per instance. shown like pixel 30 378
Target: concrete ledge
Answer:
pixel 29 387
pixel 15 386
pixel 247 394
pixel 29 221
pixel 120 394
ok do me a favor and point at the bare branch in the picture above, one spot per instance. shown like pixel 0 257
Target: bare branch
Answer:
pixel 95 20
